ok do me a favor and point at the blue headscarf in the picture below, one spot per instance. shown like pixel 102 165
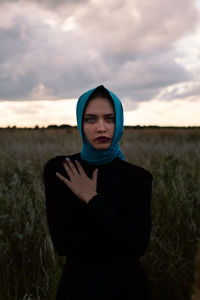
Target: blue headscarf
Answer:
pixel 88 152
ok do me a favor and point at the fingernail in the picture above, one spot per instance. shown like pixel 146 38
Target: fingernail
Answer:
pixel 67 158
pixel 96 170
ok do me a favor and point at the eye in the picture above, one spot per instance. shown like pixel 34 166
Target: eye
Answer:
pixel 89 120
pixel 110 119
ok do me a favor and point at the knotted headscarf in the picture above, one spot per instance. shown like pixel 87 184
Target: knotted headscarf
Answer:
pixel 88 152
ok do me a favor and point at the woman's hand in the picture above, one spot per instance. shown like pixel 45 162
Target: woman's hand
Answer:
pixel 80 184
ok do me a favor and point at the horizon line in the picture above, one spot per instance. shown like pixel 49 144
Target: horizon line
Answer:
pixel 62 126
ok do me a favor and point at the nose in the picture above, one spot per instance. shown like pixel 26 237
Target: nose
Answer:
pixel 101 126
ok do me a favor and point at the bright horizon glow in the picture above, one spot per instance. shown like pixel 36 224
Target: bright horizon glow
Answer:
pixel 178 112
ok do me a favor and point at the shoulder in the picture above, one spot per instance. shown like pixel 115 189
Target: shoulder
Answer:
pixel 55 163
pixel 135 171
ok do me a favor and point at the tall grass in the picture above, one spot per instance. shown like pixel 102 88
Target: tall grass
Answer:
pixel 29 267
pixel 196 286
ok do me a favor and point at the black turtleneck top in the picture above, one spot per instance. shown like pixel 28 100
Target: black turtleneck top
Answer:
pixel 114 226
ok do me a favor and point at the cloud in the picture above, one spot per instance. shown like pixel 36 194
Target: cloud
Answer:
pixel 50 4
pixel 59 49
pixel 180 90
pixel 127 27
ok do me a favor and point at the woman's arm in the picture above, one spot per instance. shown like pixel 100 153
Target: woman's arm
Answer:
pixel 129 235
pixel 67 236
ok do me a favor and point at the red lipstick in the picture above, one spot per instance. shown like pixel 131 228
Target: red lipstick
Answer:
pixel 103 139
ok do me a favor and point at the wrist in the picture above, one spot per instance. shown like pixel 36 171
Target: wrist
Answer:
pixel 89 197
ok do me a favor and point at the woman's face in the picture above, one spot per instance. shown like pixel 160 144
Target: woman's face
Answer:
pixel 99 123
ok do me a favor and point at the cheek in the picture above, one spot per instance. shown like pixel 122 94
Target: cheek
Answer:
pixel 86 130
pixel 113 129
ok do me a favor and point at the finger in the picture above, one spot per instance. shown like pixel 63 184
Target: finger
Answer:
pixel 95 174
pixel 68 169
pixel 71 165
pixel 64 179
pixel 80 168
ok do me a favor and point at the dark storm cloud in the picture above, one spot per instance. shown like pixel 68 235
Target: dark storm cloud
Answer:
pixel 17 89
pixel 43 56
pixel 10 43
pixel 143 78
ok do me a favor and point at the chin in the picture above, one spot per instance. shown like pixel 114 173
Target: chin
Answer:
pixel 101 147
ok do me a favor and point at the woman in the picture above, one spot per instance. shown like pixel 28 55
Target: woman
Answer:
pixel 98 208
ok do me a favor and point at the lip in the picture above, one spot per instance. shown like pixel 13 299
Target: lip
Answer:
pixel 103 139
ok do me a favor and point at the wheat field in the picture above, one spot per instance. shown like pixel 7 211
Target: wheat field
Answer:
pixel 29 267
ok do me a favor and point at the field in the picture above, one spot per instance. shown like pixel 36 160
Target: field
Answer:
pixel 29 267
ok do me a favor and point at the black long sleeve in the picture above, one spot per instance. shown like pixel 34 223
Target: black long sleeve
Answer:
pixel 117 221
pixel 129 233
pixel 66 236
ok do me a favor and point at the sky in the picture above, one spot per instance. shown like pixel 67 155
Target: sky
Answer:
pixel 146 52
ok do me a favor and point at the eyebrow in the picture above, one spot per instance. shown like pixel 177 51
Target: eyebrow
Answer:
pixel 94 115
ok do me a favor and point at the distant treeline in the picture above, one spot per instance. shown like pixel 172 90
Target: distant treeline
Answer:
pixel 63 126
